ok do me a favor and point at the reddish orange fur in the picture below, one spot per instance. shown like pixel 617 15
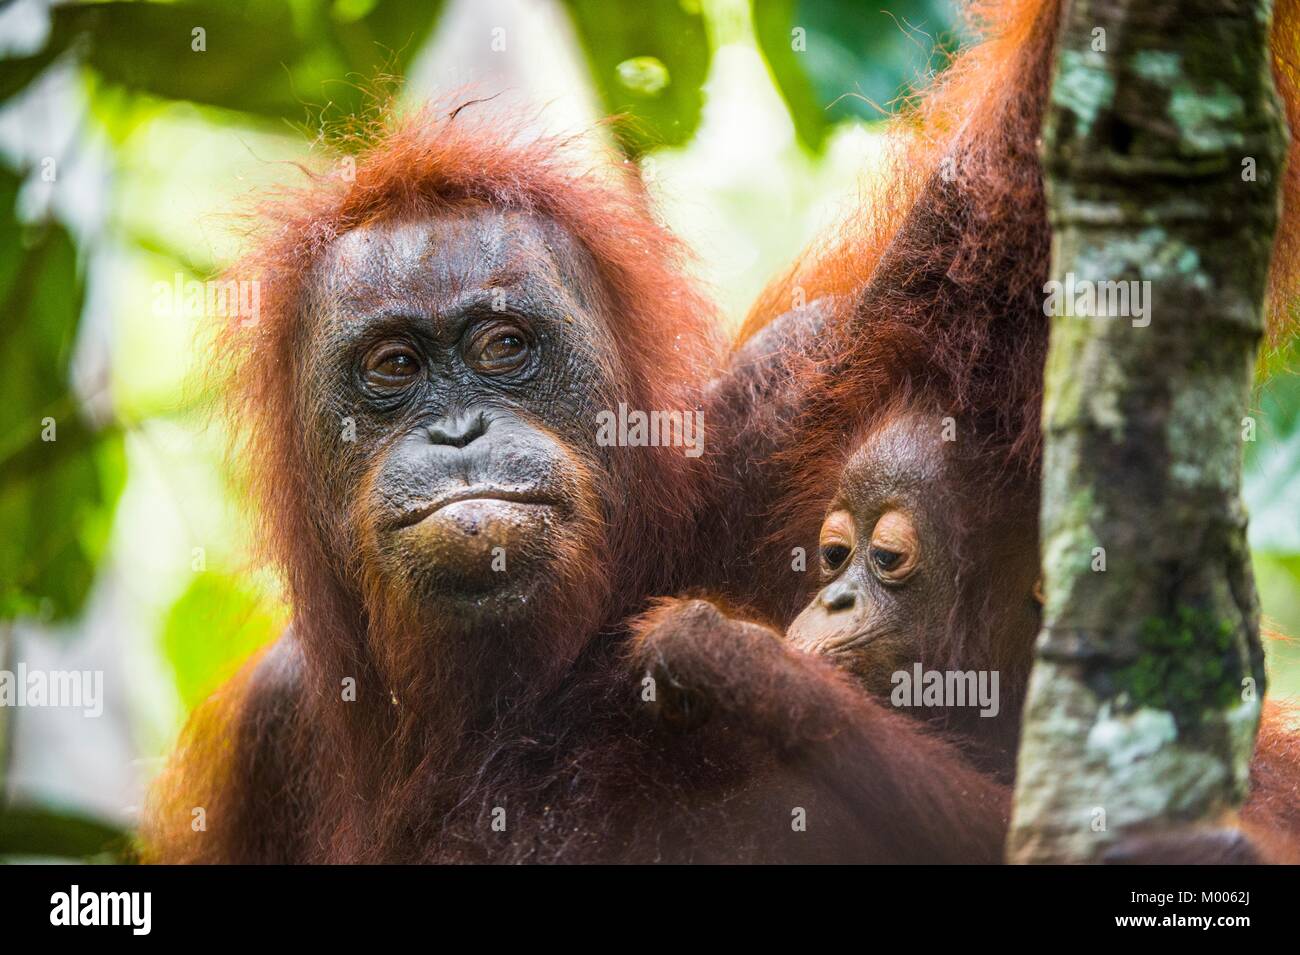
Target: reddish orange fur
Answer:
pixel 936 291
pixel 921 290
pixel 1274 803
pixel 437 737
pixel 935 294
pixel 421 165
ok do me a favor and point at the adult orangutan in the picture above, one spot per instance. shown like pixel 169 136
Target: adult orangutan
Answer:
pixel 475 670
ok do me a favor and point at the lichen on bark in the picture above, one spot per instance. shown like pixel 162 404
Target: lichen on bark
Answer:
pixel 1136 712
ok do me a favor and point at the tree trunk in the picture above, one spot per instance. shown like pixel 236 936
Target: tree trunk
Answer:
pixel 1163 146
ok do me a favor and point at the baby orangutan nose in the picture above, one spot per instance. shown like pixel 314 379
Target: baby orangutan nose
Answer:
pixel 829 622
pixel 838 596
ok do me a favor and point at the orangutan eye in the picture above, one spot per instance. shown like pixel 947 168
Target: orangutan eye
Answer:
pixel 834 556
pixel 391 366
pixel 498 351
pixel 885 559
pixel 838 537
pixel 894 547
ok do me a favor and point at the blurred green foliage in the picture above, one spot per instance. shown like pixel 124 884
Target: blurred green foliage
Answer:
pixel 215 624
pixel 835 60
pixel 47 833
pixel 648 61
pixel 304 60
pixel 48 451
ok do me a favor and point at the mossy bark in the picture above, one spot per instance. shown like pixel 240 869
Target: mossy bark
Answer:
pixel 1162 149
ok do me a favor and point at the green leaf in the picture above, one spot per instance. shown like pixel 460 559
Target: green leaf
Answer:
pixel 35 831
pixel 212 628
pixel 387 37
pixel 11 246
pixel 148 47
pixel 17 73
pixel 649 60
pixel 835 60
pixel 272 60
pixel 56 496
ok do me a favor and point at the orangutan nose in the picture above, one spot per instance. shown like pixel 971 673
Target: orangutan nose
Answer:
pixel 840 595
pixel 457 430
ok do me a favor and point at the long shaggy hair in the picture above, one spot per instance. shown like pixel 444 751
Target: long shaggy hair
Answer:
pixel 933 291
pixel 362 769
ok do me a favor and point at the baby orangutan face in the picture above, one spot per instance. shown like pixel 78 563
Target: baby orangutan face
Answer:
pixel 888 556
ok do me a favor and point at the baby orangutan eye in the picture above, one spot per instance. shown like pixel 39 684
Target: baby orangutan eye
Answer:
pixel 838 537
pixel 885 559
pixel 834 555
pixel 894 547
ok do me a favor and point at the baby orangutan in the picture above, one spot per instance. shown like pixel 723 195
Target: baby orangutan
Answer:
pixel 924 565
pixel 920 567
